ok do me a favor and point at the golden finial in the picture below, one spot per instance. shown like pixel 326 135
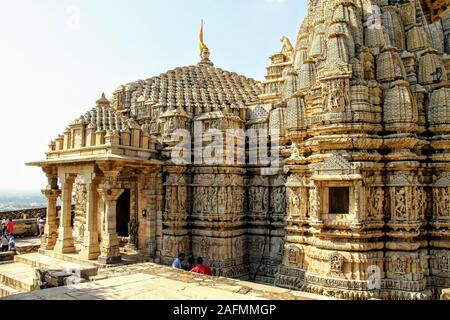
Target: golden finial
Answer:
pixel 204 51
pixel 202 43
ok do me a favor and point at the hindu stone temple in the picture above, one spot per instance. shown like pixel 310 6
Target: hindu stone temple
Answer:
pixel 360 205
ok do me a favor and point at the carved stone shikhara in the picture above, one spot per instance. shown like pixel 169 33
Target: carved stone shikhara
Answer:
pixel 360 206
pixel 370 74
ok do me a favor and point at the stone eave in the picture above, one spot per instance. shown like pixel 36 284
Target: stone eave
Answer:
pixel 218 115
pixel 257 121
pixel 336 177
pixel 280 64
pixel 87 159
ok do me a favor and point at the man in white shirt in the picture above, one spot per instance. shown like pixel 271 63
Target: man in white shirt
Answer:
pixel 41 224
pixel 3 225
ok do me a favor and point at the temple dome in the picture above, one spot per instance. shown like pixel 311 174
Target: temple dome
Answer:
pixel 439 110
pixel 196 89
pixel 400 108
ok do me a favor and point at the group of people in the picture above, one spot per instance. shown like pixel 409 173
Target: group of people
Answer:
pixel 192 265
pixel 7 237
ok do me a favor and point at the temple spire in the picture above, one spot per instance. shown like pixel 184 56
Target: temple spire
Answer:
pixel 103 101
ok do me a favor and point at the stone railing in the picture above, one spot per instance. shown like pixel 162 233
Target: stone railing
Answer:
pixel 24 213
pixel 25 221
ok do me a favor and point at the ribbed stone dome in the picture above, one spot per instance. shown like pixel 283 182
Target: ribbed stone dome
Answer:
pixel 439 110
pixel 400 108
pixel 197 86
pixel 103 118
pixel 431 69
pixel 390 66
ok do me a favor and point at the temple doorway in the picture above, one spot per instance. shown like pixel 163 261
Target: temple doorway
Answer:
pixel 123 213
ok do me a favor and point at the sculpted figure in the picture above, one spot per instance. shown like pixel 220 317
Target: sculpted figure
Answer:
pixel 400 204
pixel 294 201
pixel 133 227
pixel 257 199
pixel 198 199
pixel 222 200
pixel 169 198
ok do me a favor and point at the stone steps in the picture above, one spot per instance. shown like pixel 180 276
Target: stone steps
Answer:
pixel 19 276
pixel 71 258
pixel 6 291
pixel 39 261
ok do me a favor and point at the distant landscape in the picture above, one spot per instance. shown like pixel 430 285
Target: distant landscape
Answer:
pixel 11 200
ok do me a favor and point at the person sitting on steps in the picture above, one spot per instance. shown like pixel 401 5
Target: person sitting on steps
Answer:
pixel 201 268
pixel 177 263
pixel 190 263
pixel 5 243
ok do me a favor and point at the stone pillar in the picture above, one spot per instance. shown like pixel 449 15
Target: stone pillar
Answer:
pixel 51 192
pixel 65 242
pixel 110 250
pixel 159 216
pixel 175 232
pixel 91 248
pixel 51 227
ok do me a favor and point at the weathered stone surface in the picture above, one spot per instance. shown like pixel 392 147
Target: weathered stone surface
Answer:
pixel 153 282
pixel 445 294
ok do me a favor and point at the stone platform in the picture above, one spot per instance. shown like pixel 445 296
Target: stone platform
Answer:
pixel 20 276
pixel 149 281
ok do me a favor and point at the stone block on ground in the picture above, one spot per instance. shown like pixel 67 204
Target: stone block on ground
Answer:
pixel 56 278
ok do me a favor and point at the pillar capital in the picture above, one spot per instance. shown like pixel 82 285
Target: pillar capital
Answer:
pixel 109 195
pixel 110 167
pixel 51 194
pixel 67 178
pixel 90 178
pixel 52 177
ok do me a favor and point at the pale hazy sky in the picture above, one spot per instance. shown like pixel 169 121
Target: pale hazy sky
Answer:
pixel 58 56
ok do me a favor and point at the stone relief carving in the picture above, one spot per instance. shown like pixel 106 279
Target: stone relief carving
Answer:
pixel 399 264
pixel 336 263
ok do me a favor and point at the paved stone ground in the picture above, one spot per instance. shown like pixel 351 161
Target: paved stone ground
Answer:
pixel 149 281
pixel 30 241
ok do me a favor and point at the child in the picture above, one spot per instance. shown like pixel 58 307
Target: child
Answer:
pixel 5 243
pixel 12 244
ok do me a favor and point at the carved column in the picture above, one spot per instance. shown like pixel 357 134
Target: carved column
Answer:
pixel 151 219
pixel 51 193
pixel 175 234
pixel 65 242
pixel 91 248
pixel 159 216
pixel 51 227
pixel 110 250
